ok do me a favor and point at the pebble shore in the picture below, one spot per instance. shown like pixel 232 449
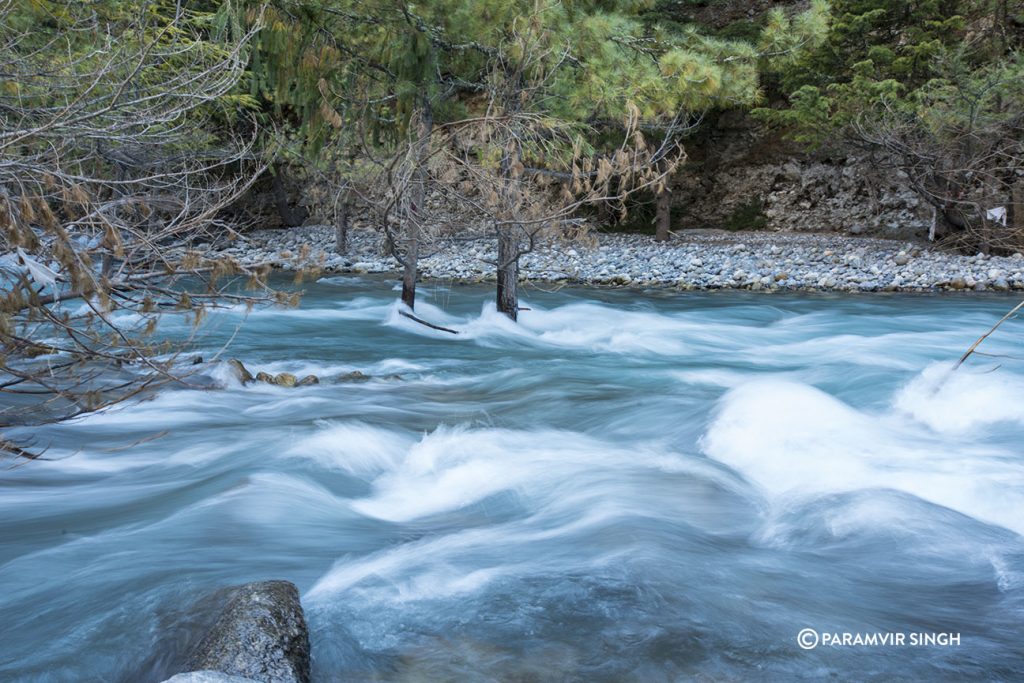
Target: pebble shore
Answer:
pixel 692 260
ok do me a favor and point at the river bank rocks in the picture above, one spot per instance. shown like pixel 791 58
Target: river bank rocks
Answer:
pixel 281 379
pixel 693 260
pixel 287 379
pixel 260 636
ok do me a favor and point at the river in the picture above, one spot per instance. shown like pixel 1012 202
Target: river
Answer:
pixel 626 486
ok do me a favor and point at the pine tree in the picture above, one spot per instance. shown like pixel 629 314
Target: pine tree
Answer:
pixel 935 87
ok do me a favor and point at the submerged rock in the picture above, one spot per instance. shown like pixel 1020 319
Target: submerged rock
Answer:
pixel 354 376
pixel 261 635
pixel 240 371
pixel 284 379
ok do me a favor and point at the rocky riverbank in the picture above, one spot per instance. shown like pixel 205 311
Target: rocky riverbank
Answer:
pixel 769 261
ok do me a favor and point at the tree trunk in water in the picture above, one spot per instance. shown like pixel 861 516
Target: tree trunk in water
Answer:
pixel 409 277
pixel 663 216
pixel 508 275
pixel 341 231
pixel 414 221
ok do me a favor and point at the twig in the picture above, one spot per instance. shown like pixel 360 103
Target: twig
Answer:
pixel 14 449
pixel 410 316
pixel 144 439
pixel 984 336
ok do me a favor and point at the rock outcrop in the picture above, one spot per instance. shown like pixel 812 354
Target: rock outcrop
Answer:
pixel 261 635
pixel 241 373
pixel 284 379
pixel 208 677
pixel 741 176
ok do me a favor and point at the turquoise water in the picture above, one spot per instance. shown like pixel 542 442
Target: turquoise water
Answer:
pixel 624 487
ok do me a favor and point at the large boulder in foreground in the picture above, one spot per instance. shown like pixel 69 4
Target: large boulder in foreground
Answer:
pixel 208 677
pixel 261 635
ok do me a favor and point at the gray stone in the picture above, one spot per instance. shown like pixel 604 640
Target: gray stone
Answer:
pixel 285 379
pixel 354 376
pixel 261 635
pixel 240 371
pixel 208 677
pixel 703 259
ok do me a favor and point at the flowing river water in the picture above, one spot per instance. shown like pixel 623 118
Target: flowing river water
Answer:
pixel 626 486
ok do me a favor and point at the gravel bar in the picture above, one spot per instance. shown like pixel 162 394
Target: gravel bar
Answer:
pixel 693 260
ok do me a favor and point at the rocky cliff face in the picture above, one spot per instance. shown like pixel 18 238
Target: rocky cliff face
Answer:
pixel 741 176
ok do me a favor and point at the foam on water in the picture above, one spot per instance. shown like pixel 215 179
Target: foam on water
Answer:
pixel 793 439
pixel 453 468
pixel 353 447
pixel 576 326
pixel 957 402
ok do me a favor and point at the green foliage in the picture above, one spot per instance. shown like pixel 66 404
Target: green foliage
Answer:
pixel 886 56
pixel 291 56
pixel 744 30
pixel 326 76
pixel 937 86
pixel 808 116
pixel 789 41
